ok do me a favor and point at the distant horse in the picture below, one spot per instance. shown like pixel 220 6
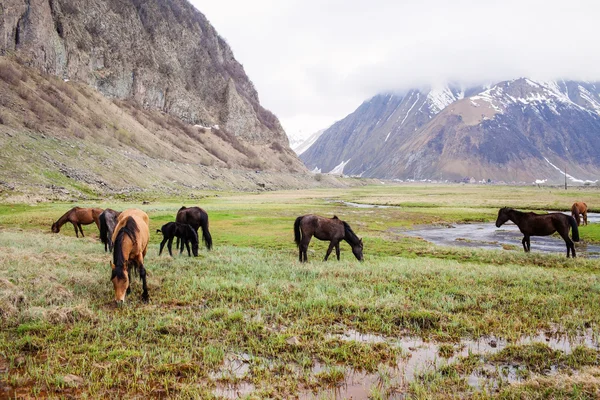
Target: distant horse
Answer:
pixel 108 221
pixel 196 217
pixel 184 232
pixel 532 224
pixel 577 209
pixel 332 229
pixel 130 240
pixel 78 216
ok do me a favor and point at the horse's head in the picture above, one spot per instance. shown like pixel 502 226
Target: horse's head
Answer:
pixel 120 280
pixel 502 216
pixel 357 250
pixel 55 227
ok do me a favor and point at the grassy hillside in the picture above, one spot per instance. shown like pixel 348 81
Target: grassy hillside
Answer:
pixel 63 140
pixel 247 319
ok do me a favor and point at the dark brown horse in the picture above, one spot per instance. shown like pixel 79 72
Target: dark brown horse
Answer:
pixel 532 224
pixel 108 221
pixel 332 229
pixel 78 216
pixel 130 240
pixel 196 217
pixel 579 208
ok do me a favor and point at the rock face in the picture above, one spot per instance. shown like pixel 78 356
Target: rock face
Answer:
pixel 517 130
pixel 163 54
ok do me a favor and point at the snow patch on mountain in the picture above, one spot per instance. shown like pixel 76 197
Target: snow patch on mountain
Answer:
pixel 339 169
pixel 571 177
pixel 440 98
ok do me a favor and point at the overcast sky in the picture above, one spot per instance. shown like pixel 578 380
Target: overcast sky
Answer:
pixel 314 61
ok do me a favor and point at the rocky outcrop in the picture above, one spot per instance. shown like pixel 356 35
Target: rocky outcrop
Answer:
pixel 163 54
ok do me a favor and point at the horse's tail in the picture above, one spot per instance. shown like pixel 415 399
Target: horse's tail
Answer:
pixel 575 229
pixel 297 232
pixel 103 229
pixel 158 231
pixel 206 235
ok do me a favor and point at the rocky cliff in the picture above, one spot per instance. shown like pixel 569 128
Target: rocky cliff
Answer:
pixel 163 54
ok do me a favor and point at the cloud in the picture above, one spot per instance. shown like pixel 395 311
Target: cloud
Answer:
pixel 317 60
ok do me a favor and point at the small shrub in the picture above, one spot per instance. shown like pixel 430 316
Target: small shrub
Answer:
pixel 207 160
pixel 319 177
pixel 33 125
pixel 217 152
pixel 253 163
pixel 78 133
pixel 277 147
pixel 23 93
pixel 2 119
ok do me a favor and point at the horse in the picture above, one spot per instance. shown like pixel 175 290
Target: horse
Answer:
pixel 196 217
pixel 532 224
pixel 579 208
pixel 108 221
pixel 78 216
pixel 184 232
pixel 130 240
pixel 332 229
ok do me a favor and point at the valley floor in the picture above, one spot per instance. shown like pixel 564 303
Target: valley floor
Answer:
pixel 247 319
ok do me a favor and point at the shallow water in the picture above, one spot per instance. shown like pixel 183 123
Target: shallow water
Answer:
pixel 424 356
pixel 487 236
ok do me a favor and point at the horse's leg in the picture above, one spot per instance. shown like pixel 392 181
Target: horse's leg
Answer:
pixel 331 244
pixel 569 243
pixel 304 248
pixel 337 250
pixel 169 245
pixel 524 241
pixel 585 218
pixel 142 272
pixel 162 245
pixel 80 230
pixel 75 226
pixel 187 245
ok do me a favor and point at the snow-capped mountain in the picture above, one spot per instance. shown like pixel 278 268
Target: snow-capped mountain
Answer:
pixel 300 145
pixel 517 130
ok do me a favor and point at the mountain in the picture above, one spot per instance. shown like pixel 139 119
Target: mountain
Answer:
pixel 173 87
pixel 517 130
pixel 301 145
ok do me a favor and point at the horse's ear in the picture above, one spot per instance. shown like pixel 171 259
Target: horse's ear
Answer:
pixel 335 217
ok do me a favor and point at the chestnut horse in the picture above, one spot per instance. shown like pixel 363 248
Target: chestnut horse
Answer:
pixel 532 224
pixel 332 229
pixel 579 208
pixel 108 221
pixel 78 216
pixel 130 240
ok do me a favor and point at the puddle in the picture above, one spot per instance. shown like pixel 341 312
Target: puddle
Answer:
pixel 487 236
pixel 228 377
pixel 425 357
pixel 234 391
pixel 361 205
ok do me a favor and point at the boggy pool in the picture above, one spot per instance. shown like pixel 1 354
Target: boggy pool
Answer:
pixel 487 236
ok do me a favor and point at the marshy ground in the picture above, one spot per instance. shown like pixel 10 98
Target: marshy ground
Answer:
pixel 414 320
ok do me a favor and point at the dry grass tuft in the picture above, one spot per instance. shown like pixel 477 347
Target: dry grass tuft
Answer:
pixel 11 299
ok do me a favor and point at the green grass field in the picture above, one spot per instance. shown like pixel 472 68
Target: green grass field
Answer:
pixel 248 320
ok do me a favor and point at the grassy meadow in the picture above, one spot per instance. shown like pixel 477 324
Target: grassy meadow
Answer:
pixel 248 320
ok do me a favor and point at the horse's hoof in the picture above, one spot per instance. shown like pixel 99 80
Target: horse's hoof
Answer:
pixel 145 298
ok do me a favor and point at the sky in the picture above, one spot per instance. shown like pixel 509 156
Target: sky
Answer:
pixel 315 61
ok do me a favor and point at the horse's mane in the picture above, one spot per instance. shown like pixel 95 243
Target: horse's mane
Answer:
pixel 130 229
pixel 350 236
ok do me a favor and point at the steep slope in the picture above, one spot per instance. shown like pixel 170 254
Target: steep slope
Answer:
pixel 517 130
pixel 162 55
pixel 357 142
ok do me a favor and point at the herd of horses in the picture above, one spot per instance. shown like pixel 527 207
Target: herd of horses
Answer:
pixel 126 234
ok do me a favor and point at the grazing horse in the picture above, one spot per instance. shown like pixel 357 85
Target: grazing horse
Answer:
pixel 108 221
pixel 130 240
pixel 78 216
pixel 196 217
pixel 532 224
pixel 579 208
pixel 184 232
pixel 332 229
